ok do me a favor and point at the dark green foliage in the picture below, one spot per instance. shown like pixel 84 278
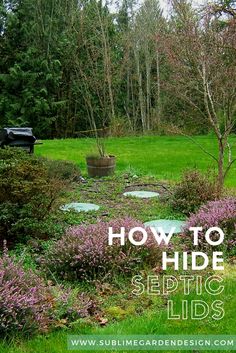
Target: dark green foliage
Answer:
pixel 69 66
pixel 192 191
pixel 63 170
pixel 27 195
pixel 32 75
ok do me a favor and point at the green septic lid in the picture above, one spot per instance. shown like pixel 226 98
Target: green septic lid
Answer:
pixel 142 194
pixel 166 225
pixel 80 207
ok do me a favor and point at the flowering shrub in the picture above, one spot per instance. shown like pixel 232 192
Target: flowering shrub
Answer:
pixel 83 252
pixel 194 190
pixel 25 302
pixel 220 213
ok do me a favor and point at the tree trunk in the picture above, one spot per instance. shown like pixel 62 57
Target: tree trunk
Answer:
pixel 220 176
pixel 107 64
pixel 148 87
pixel 158 98
pixel 140 90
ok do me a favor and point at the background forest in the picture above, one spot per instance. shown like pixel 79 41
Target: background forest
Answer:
pixel 68 66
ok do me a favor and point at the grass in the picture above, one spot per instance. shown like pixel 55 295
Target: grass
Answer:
pixel 108 194
pixel 164 157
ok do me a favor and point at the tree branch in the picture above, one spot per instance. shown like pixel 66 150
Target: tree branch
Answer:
pixel 196 143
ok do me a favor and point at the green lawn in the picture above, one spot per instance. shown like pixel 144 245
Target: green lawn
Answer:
pixel 162 156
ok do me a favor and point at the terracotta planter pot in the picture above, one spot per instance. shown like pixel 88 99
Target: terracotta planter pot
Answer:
pixel 101 166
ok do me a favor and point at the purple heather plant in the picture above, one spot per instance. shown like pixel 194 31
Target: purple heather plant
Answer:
pixel 25 302
pixel 83 252
pixel 220 213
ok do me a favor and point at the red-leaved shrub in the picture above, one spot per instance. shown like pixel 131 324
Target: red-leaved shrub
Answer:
pixel 193 191
pixel 83 252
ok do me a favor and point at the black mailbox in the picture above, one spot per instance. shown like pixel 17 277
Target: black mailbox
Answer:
pixel 18 137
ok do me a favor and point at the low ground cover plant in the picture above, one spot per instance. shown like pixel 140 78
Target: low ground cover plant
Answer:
pixel 83 252
pixel 29 304
pixel 25 301
pixel 194 190
pixel 219 213
pixel 62 170
pixel 71 305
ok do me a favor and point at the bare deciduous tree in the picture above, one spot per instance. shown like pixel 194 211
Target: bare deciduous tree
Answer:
pixel 201 54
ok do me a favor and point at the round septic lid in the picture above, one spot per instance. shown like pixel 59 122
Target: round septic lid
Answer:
pixel 142 194
pixel 166 225
pixel 80 207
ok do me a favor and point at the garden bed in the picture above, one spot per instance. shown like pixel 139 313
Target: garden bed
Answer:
pixel 107 303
